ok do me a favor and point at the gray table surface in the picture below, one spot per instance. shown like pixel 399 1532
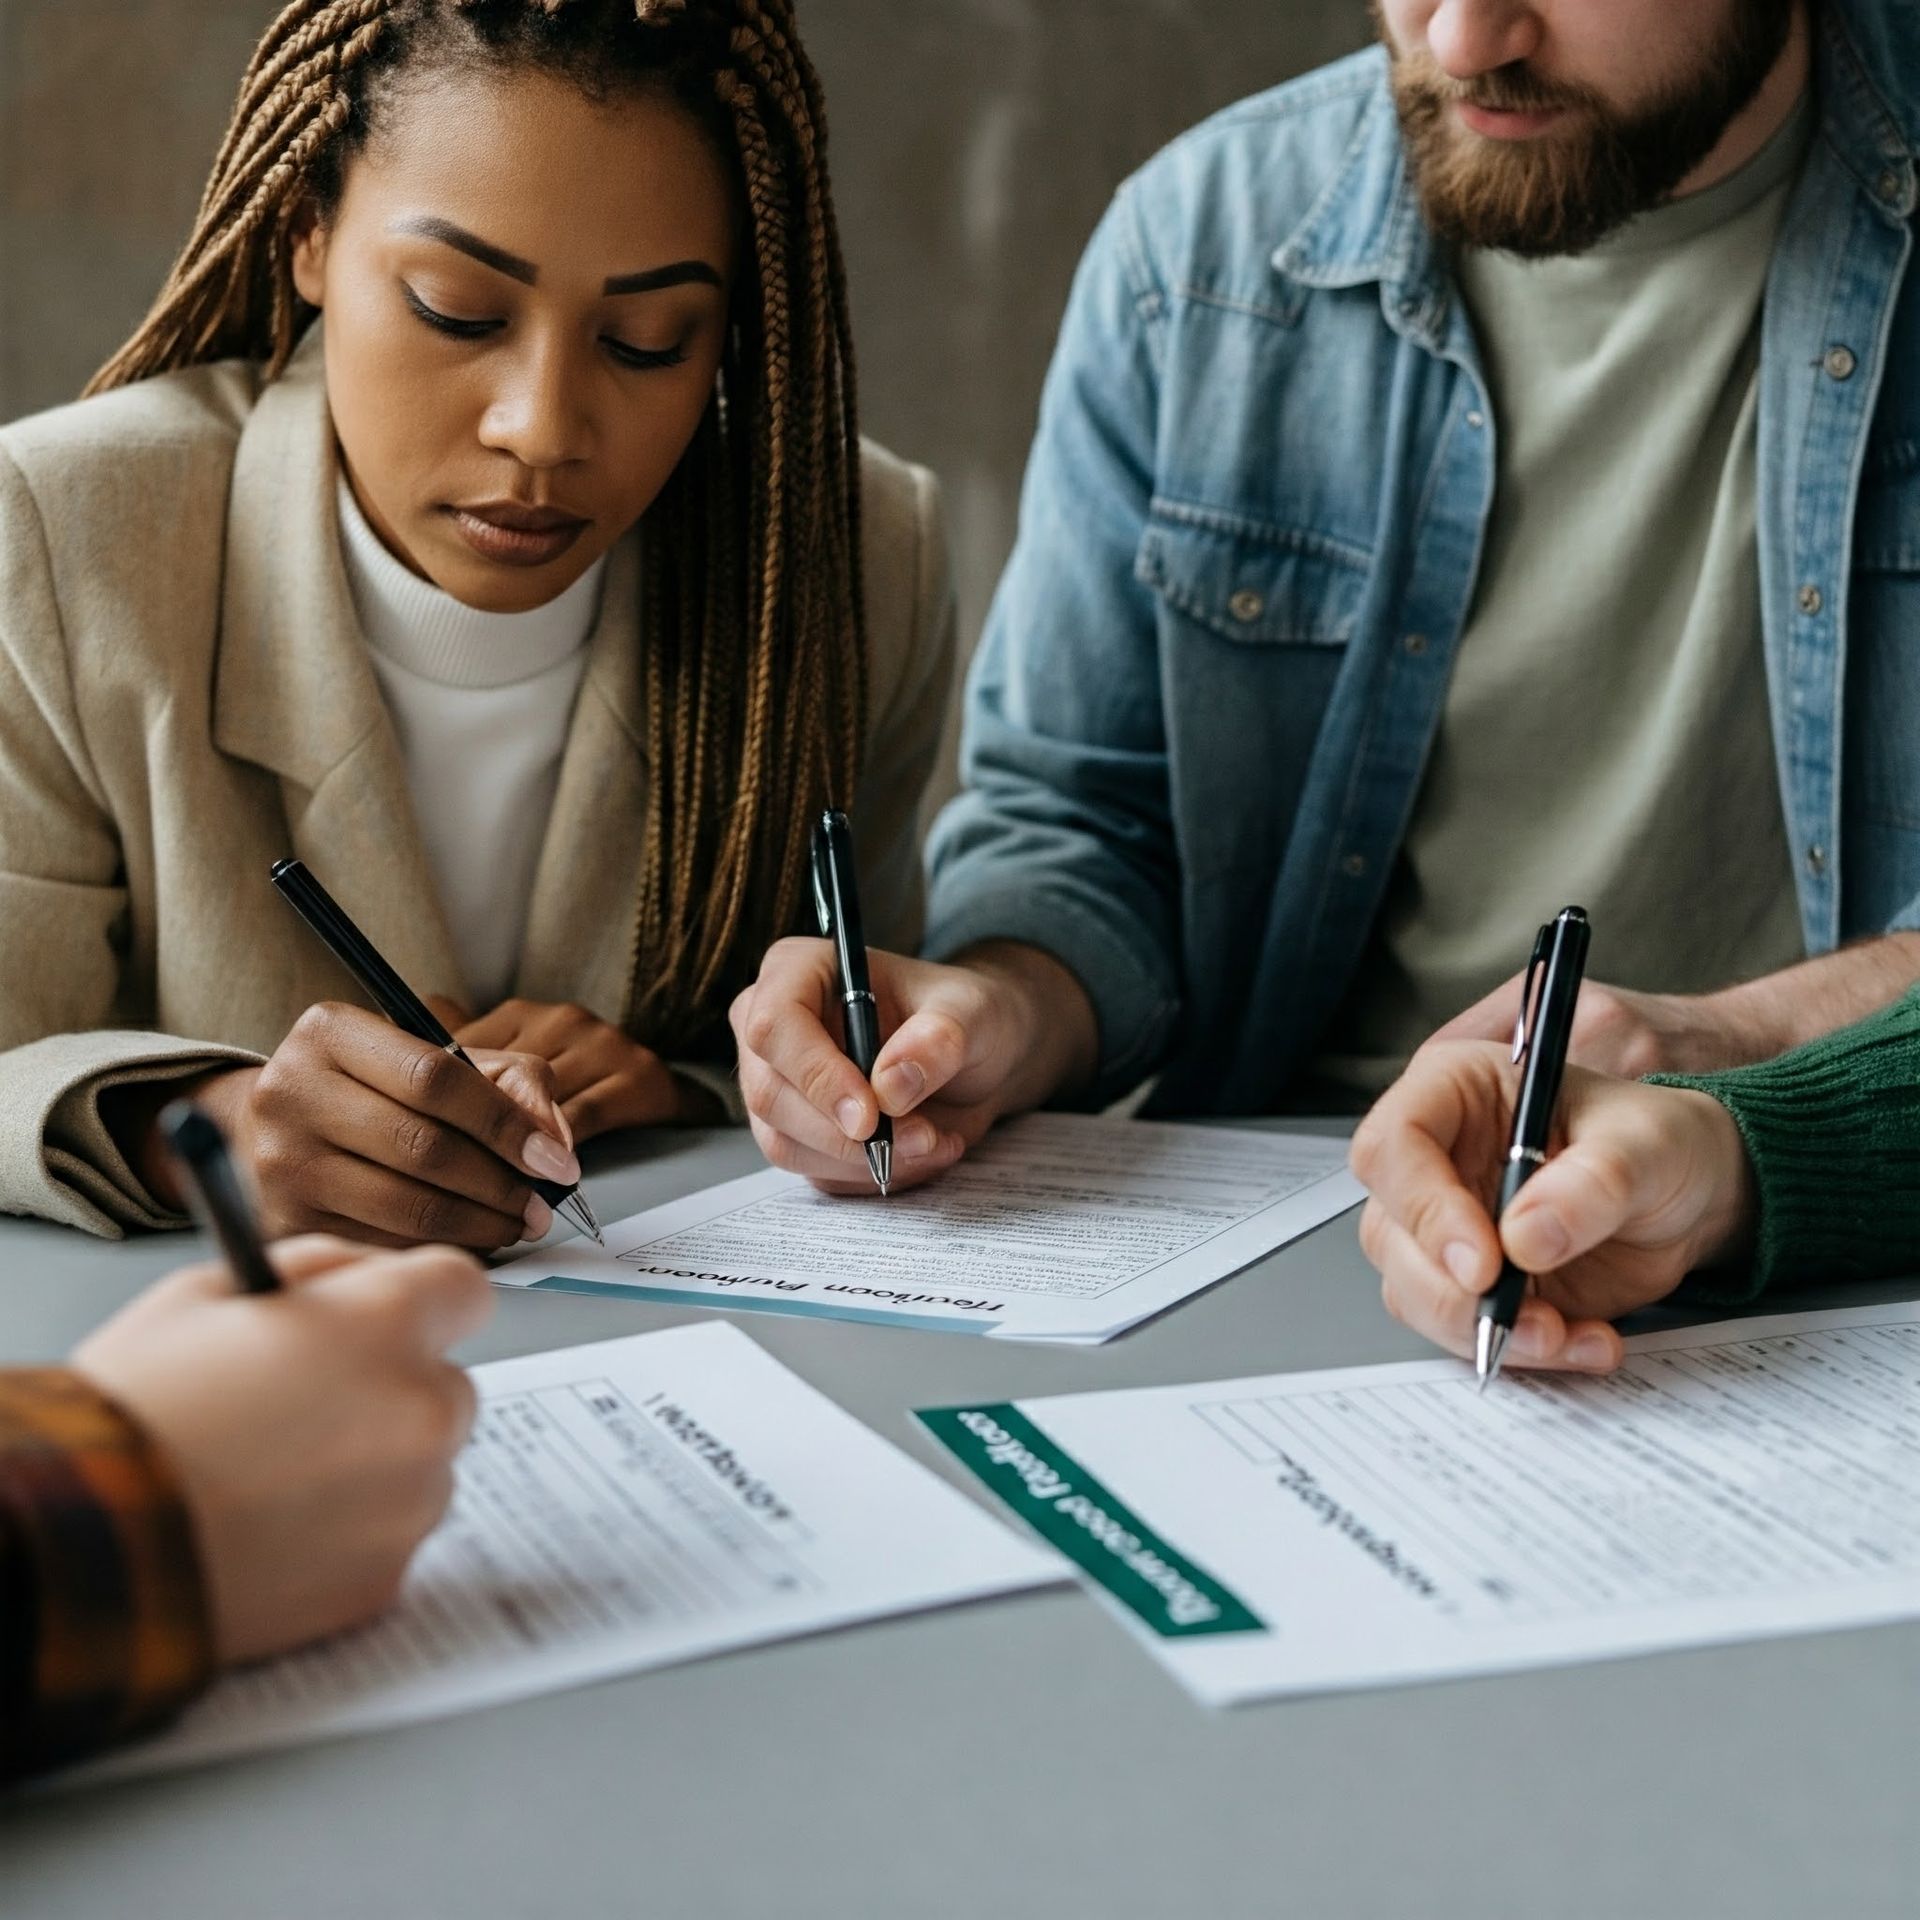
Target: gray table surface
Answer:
pixel 1021 1757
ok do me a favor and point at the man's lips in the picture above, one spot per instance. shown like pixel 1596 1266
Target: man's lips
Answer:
pixel 516 534
pixel 1500 123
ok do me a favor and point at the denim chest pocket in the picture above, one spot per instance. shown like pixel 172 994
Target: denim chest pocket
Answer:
pixel 1255 584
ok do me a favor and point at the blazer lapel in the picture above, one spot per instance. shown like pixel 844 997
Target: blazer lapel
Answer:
pixel 294 691
pixel 579 940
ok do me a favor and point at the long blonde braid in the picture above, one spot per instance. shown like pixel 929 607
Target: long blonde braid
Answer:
pixel 752 624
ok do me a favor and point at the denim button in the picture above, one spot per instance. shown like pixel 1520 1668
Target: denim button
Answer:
pixel 1246 606
pixel 1415 643
pixel 1354 866
pixel 1839 362
pixel 1816 861
pixel 1476 419
pixel 1811 599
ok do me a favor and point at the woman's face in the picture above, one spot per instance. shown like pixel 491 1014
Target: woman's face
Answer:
pixel 526 300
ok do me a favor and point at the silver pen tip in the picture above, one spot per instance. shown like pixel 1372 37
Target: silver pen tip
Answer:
pixel 1490 1342
pixel 576 1208
pixel 880 1164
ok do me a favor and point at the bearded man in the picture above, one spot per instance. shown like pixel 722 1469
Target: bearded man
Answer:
pixel 1479 475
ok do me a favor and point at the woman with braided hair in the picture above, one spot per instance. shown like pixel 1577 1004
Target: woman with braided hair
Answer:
pixel 480 515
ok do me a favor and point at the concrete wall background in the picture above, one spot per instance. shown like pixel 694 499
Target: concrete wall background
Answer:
pixel 976 142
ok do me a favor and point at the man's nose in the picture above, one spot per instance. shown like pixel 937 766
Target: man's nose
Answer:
pixel 1471 37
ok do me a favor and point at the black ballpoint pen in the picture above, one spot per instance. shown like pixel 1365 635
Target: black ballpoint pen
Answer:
pixel 215 1195
pixel 361 958
pixel 1559 962
pixel 836 901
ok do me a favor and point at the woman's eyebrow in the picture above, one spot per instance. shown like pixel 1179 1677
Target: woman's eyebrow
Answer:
pixel 679 274
pixel 429 227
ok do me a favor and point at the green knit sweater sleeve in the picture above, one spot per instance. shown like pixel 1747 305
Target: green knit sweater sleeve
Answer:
pixel 1833 1132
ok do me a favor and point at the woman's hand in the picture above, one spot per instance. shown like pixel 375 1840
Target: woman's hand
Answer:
pixel 355 1127
pixel 313 1431
pixel 999 1031
pixel 1645 1185
pixel 601 1078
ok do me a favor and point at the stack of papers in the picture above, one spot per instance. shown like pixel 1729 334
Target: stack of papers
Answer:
pixel 1061 1228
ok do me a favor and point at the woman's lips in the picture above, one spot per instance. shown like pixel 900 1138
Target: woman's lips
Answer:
pixel 1499 124
pixel 517 536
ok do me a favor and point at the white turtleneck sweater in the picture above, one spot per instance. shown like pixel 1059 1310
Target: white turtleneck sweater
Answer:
pixel 481 703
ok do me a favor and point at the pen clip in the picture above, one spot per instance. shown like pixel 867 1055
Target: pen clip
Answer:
pixel 1522 1027
pixel 819 857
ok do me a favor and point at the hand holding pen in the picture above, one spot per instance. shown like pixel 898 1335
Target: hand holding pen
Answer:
pixel 356 1127
pixel 311 1432
pixel 1644 1185
pixel 1000 1030
pixel 480 1120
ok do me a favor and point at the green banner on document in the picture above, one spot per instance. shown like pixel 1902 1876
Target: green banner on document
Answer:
pixel 1062 1502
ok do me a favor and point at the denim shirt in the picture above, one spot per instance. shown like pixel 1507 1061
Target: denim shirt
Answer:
pixel 1249 539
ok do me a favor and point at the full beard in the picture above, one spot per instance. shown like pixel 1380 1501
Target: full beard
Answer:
pixel 1563 191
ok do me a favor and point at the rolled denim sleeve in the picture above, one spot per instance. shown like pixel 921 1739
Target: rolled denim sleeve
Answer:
pixel 1062 838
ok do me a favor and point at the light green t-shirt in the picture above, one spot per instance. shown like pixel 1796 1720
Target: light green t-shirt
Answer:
pixel 1606 738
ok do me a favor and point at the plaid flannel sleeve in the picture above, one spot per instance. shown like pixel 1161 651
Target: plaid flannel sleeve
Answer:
pixel 104 1630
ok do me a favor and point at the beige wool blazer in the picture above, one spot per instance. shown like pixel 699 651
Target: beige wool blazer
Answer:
pixel 185 697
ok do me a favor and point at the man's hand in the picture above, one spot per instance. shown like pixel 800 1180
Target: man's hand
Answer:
pixel 355 1127
pixel 1645 1185
pixel 602 1078
pixel 1619 1031
pixel 967 1044
pixel 313 1431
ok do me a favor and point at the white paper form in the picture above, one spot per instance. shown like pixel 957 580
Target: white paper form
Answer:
pixel 619 1507
pixel 1352 1528
pixel 1059 1227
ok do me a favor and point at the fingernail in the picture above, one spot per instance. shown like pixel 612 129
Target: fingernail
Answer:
pixel 1589 1350
pixel 1546 1239
pixel 916 1138
pixel 545 1156
pixel 539 1217
pixel 852 1117
pixel 1462 1262
pixel 902 1084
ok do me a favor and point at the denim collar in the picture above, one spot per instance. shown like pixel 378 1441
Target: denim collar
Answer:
pixel 1873 135
pixel 1366 225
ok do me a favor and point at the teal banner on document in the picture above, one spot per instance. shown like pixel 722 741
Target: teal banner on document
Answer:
pixel 1062 1502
